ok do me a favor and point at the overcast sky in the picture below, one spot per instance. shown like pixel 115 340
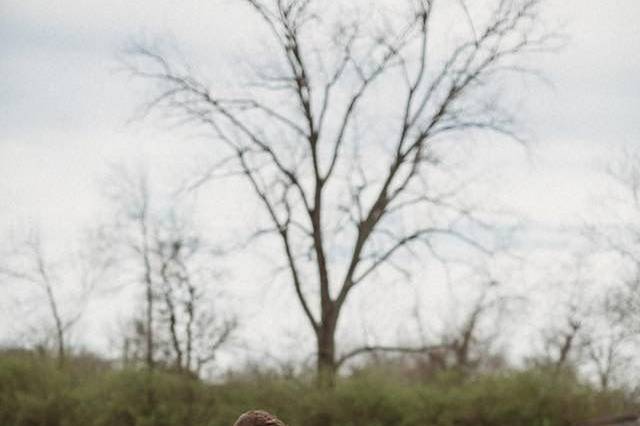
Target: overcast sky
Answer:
pixel 64 108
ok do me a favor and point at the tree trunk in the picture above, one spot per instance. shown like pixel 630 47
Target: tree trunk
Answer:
pixel 61 347
pixel 58 323
pixel 149 326
pixel 326 363
pixel 148 282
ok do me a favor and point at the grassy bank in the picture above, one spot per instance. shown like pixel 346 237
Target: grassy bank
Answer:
pixel 34 391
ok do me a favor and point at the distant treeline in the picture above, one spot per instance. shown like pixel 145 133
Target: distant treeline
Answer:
pixel 88 391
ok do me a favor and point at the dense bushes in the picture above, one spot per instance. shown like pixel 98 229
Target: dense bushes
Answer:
pixel 86 392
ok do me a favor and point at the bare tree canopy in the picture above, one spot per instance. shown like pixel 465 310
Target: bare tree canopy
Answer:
pixel 338 136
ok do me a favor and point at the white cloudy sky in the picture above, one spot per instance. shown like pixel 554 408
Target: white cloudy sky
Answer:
pixel 64 109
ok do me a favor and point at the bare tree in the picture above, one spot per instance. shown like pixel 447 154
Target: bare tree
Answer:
pixel 571 316
pixel 335 169
pixel 610 347
pixel 589 332
pixel 131 237
pixel 619 235
pixel 606 354
pixel 563 342
pixel 466 341
pixel 616 236
pixel 472 342
pixel 181 326
pixel 195 330
pixel 29 262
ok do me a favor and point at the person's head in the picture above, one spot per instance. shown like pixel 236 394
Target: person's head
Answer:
pixel 258 418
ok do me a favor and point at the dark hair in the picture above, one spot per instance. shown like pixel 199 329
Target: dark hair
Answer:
pixel 258 418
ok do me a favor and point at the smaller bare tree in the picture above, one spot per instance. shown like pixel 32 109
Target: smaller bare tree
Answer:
pixel 614 340
pixel 59 280
pixel 194 328
pixel 181 326
pixel 466 343
pixel 605 354
pixel 591 336
pixel 472 343
pixel 617 235
pixel 130 238
pixel 562 342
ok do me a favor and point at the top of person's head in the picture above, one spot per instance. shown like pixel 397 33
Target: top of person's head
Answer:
pixel 258 418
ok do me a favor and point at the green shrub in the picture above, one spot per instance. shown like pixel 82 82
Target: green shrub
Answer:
pixel 34 391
